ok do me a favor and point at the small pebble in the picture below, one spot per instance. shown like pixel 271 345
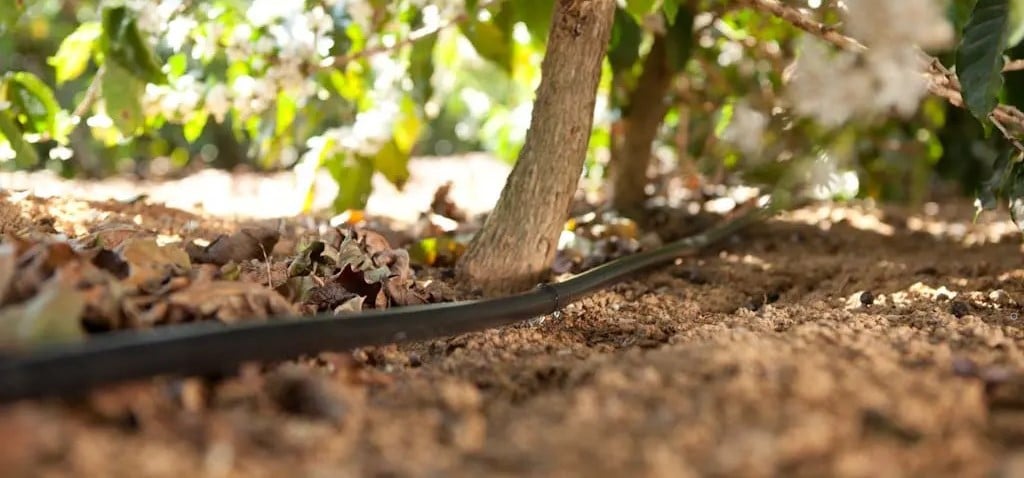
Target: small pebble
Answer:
pixel 959 308
pixel 867 297
pixel 964 367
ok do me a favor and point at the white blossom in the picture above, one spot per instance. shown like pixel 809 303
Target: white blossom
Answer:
pixel 746 128
pixel 173 100
pixel 830 88
pixel 361 13
pixel 217 102
pixel 888 78
pixel 899 84
pixel 826 181
pixel 264 12
pixel 894 23
pixel 178 30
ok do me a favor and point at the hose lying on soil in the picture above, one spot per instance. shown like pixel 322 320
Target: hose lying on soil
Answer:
pixel 211 348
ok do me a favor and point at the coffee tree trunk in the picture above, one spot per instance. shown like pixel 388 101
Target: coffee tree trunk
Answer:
pixel 634 137
pixel 518 241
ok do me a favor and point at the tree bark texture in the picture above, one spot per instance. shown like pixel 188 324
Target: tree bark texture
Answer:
pixel 518 242
pixel 631 146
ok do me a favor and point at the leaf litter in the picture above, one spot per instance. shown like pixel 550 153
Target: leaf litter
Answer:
pixel 119 275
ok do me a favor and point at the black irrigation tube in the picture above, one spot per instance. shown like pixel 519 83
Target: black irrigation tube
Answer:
pixel 206 348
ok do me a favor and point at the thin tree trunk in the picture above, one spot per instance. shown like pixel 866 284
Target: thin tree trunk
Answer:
pixel 631 155
pixel 518 241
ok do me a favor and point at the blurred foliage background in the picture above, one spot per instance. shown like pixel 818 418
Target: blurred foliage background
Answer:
pixel 356 87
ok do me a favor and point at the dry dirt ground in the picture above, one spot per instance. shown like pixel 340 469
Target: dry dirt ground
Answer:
pixel 835 341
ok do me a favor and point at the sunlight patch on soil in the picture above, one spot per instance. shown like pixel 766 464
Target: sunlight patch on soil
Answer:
pixel 479 179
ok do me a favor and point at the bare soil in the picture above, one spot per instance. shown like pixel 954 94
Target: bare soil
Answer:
pixel 834 341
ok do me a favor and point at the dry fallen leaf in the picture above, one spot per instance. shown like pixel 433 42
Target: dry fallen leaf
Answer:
pixel 52 315
pixel 109 236
pixel 36 263
pixel 444 206
pixel 329 296
pixel 229 301
pixel 151 265
pixel 8 258
pixel 248 243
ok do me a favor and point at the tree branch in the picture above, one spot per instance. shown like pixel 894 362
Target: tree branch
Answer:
pixel 91 95
pixel 1013 65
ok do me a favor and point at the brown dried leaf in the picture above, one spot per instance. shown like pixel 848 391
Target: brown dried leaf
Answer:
pixel 354 304
pixel 372 241
pixel 257 272
pixel 360 283
pixel 400 293
pixel 303 262
pixel 109 236
pixel 36 263
pixel 103 295
pixel 328 297
pixel 229 301
pixel 397 262
pixel 53 315
pixel 151 265
pixel 248 243
pixel 8 261
pixel 444 206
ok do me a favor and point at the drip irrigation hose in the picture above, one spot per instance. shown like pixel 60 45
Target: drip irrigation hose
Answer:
pixel 210 347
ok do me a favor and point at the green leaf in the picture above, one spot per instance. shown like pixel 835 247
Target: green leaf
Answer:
pixel 536 15
pixel 979 59
pixel 680 39
pixel 1016 23
pixel 640 8
pixel 992 189
pixel 393 164
pixel 306 172
pixel 671 8
pixel 122 94
pixel 194 126
pixel 177 64
pixel 73 55
pixel 286 109
pixel 10 13
pixel 354 177
pixel 408 126
pixel 25 154
pixel 123 44
pixel 624 46
pixel 492 39
pixel 34 102
pixel 421 68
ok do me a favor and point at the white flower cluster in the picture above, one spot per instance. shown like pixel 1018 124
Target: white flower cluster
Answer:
pixel 833 87
pixel 152 19
pixel 295 38
pixel 826 181
pixel 175 100
pixel 372 128
pixel 291 39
